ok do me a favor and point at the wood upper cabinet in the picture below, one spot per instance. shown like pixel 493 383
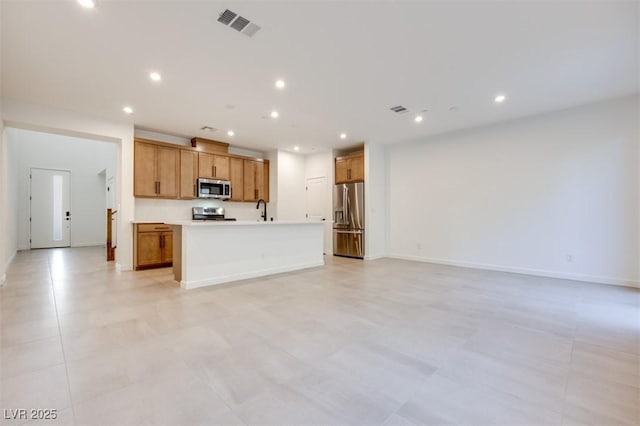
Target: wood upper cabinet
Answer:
pixel 236 176
pixel 188 174
pixel 163 170
pixel 153 245
pixel 213 166
pixel 256 180
pixel 350 168
pixel 155 171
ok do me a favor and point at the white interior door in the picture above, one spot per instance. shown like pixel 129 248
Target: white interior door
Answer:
pixel 50 213
pixel 319 207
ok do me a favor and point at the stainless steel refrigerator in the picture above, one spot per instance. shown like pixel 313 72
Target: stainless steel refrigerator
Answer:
pixel 348 219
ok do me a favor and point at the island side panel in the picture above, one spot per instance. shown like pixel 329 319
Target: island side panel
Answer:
pixel 217 254
pixel 177 252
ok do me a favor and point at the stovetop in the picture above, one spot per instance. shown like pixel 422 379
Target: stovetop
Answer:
pixel 209 213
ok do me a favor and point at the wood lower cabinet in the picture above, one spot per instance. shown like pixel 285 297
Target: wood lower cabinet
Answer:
pixel 236 176
pixel 256 180
pixel 153 245
pixel 155 171
pixel 350 168
pixel 213 166
pixel 188 174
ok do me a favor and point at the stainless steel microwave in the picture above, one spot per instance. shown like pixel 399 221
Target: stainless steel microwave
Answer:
pixel 212 188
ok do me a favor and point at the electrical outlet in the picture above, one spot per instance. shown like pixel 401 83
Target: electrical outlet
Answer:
pixel 570 258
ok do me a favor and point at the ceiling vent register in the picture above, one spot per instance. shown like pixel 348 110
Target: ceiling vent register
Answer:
pixel 399 109
pixel 238 23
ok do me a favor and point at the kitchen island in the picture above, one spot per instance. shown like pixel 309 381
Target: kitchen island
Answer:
pixel 208 253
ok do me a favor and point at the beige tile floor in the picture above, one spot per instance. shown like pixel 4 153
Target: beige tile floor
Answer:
pixel 365 343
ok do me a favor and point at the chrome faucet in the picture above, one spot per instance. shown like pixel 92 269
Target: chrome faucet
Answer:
pixel 264 214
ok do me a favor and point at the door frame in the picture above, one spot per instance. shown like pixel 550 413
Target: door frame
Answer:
pixel 31 195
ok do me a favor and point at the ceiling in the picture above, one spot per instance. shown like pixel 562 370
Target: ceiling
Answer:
pixel 345 64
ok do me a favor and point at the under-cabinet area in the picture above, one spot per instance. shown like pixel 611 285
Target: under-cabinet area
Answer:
pixel 152 245
pixel 169 171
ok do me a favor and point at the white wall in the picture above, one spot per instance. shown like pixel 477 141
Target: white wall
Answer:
pixel 57 121
pixel 321 165
pixel 88 161
pixel 376 201
pixel 525 195
pixel 6 250
pixel 165 210
pixel 291 196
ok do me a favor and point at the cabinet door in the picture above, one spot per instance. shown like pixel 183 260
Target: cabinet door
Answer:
pixel 168 163
pixel 144 168
pixel 221 167
pixel 188 174
pixel 236 175
pixel 250 189
pixel 205 165
pixel 356 168
pixel 342 167
pixel 260 181
pixel 149 251
pixel 167 246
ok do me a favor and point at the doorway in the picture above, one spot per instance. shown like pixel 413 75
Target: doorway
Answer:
pixel 50 215
pixel 319 207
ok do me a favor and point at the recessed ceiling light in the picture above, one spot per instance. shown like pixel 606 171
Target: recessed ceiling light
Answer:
pixel 343 135
pixel 296 148
pixel 280 84
pixel 231 133
pixel 89 4
pixel 155 76
pixel 128 110
pixel 500 98
pixel 418 119
pixel 274 114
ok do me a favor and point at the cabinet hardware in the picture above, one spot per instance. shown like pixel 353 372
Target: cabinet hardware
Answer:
pixel 215 171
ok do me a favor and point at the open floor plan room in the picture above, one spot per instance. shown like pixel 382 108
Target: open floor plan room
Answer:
pixel 383 342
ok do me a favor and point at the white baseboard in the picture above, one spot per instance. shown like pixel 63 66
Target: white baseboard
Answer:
pixel 3 279
pixel 121 268
pixel 374 257
pixel 187 285
pixel 526 271
pixel 88 244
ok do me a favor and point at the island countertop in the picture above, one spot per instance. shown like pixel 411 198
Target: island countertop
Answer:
pixel 240 222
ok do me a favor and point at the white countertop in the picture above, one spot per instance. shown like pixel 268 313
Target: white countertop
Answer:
pixel 240 222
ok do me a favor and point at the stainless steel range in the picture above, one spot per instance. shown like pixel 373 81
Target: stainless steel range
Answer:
pixel 209 213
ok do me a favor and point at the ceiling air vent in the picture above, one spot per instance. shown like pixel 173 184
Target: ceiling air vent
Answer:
pixel 226 17
pixel 238 23
pixel 399 109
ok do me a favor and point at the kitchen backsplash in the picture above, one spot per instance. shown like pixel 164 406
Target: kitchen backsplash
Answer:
pixel 164 210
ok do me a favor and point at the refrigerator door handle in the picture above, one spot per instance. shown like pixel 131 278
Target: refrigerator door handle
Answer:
pixel 347 207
